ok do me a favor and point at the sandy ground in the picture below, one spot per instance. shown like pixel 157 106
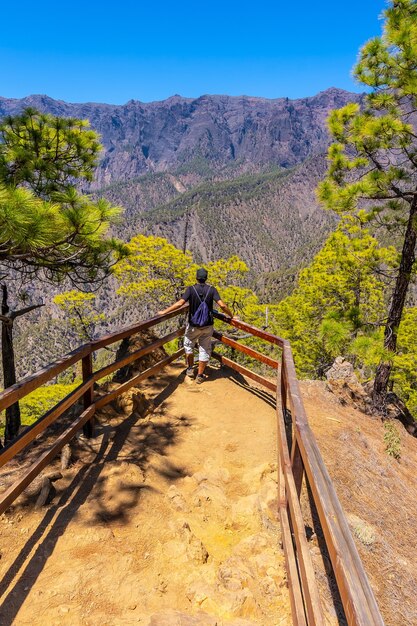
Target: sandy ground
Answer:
pixel 170 519
pixel 165 519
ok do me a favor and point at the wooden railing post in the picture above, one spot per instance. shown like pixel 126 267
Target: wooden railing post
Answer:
pixel 87 370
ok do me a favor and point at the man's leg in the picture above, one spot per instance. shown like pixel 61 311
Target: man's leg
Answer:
pixel 190 365
pixel 189 343
pixel 204 346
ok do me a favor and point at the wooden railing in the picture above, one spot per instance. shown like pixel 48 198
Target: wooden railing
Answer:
pixel 302 462
pixel 305 461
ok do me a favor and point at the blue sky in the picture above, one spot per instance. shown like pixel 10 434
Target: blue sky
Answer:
pixel 114 52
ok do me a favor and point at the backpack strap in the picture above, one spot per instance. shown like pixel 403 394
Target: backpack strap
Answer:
pixel 208 291
pixel 201 301
pixel 205 297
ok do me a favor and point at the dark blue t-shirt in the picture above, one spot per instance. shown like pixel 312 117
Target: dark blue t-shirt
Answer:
pixel 202 289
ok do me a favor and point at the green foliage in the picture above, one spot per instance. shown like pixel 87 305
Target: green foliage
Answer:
pixel 57 239
pixel 338 308
pixel 334 333
pixel 80 313
pixel 37 403
pixel 338 300
pixel 224 272
pixel 47 229
pixel 373 163
pixel 46 226
pixel 392 440
pixel 156 272
pixel 46 152
pixel 405 360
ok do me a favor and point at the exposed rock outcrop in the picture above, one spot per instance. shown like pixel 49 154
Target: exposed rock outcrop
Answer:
pixel 343 382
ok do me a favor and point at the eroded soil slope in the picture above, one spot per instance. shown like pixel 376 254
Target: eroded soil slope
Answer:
pixel 378 494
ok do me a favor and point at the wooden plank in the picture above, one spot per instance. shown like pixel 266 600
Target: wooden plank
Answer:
pixel 105 371
pixel 27 475
pixel 306 569
pixel 42 423
pixel 136 379
pixel 298 613
pixel 294 587
pixel 356 593
pixel 246 350
pixel 245 371
pixel 135 328
pixel 257 332
pixel 28 384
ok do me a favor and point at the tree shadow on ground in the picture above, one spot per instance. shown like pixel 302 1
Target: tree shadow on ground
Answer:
pixel 133 441
pixel 239 380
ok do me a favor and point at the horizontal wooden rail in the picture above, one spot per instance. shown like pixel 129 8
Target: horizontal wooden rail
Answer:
pixel 28 384
pixel 138 354
pixel 253 330
pixel 245 371
pixel 151 371
pixel 135 328
pixel 42 423
pixel 27 475
pixel 263 358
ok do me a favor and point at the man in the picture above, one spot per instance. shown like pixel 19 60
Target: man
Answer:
pixel 200 321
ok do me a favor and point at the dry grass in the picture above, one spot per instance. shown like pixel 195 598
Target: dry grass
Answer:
pixel 378 491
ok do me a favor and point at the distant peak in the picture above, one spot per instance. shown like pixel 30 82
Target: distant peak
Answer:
pixel 334 90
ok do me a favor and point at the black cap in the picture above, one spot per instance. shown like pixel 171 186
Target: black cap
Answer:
pixel 202 274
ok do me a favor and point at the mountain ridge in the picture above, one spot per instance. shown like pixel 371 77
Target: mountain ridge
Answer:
pixel 165 135
pixel 175 97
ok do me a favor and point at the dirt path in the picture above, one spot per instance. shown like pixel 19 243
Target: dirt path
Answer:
pixel 172 524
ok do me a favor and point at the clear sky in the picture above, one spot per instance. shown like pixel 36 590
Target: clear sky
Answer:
pixel 94 51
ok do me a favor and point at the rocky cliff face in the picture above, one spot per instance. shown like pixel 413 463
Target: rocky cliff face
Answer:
pixel 162 136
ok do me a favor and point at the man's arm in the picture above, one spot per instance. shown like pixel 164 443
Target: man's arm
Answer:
pixel 173 307
pixel 225 308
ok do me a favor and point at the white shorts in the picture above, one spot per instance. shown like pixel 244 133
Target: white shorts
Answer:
pixel 203 337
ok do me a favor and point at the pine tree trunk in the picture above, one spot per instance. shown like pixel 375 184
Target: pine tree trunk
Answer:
pixel 396 308
pixel 9 370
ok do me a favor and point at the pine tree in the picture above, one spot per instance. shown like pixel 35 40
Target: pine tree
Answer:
pixel 373 160
pixel 48 230
pixel 340 297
